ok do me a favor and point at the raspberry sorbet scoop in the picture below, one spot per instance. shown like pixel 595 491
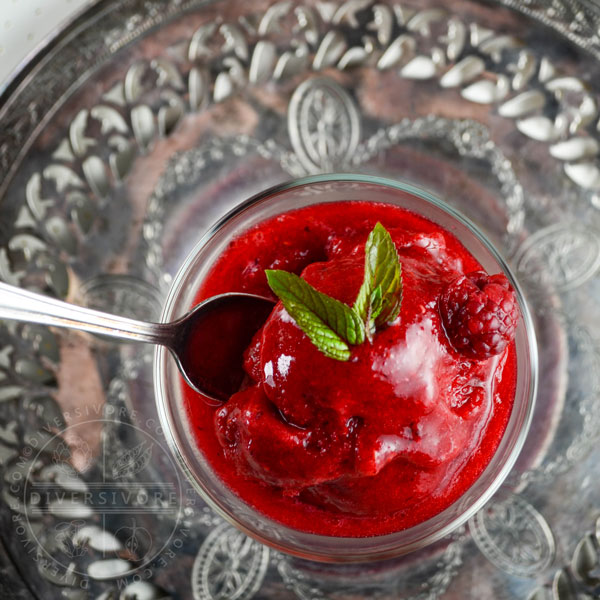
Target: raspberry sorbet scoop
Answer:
pixel 398 428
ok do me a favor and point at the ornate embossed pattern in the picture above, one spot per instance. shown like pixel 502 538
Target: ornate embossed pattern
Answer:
pixel 67 198
pixel 578 21
pixel 564 255
pixel 22 112
pixel 323 124
pixel 54 476
pixel 229 566
pixel 514 536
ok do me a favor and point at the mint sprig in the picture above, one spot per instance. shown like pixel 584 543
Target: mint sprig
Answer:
pixel 330 324
pixel 325 320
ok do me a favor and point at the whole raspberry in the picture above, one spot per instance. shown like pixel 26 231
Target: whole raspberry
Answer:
pixel 479 313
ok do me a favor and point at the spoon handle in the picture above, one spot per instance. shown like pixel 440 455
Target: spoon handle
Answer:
pixel 22 305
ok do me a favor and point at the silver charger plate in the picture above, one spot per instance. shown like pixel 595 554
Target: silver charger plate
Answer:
pixel 141 123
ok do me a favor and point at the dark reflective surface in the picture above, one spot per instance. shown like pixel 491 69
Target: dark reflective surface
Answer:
pixel 211 347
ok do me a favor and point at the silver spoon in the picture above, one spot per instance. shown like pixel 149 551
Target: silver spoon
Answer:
pixel 208 342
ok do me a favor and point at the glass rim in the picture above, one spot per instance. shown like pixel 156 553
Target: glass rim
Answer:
pixel 388 550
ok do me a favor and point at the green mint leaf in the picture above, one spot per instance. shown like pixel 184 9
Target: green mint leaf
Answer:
pixel 330 324
pixel 382 270
pixel 375 307
pixel 376 303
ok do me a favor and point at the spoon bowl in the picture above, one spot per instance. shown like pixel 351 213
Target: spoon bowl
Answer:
pixel 211 339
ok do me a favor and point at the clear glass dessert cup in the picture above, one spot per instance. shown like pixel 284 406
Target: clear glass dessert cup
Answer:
pixel 173 415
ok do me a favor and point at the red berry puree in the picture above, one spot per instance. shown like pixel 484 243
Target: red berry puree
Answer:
pixel 398 432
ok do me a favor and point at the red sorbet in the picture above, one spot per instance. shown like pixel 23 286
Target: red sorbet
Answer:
pixel 369 446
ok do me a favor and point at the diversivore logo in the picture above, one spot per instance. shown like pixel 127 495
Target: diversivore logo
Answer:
pixel 106 509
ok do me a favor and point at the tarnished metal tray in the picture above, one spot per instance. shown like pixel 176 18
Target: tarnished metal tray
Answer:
pixel 144 121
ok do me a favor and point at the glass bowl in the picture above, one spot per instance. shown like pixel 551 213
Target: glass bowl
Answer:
pixel 167 381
